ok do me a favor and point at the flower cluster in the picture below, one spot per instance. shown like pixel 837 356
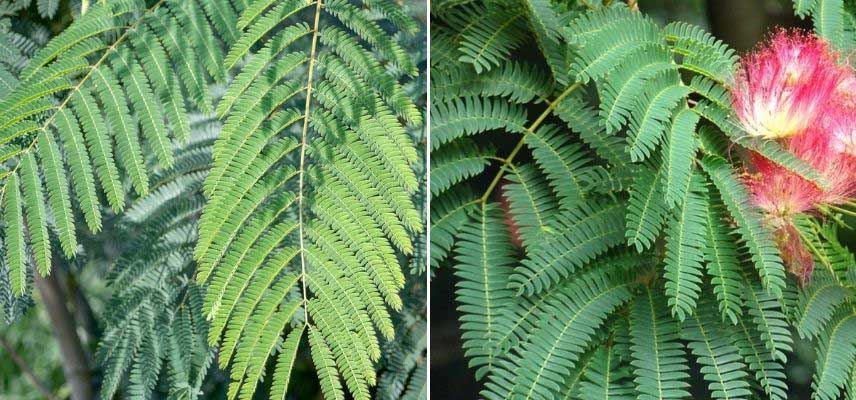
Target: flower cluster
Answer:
pixel 795 91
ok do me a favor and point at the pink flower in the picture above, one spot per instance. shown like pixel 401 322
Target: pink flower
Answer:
pixel 842 126
pixel 845 93
pixel 780 89
pixel 779 192
pixel 782 193
pixel 798 260
pixel 794 91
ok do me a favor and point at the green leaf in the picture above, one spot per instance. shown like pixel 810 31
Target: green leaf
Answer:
pixel 685 252
pixel 718 356
pixel 580 235
pixel 722 260
pixel 484 257
pixel 836 357
pixel 756 237
pixel 658 356
pixel 285 362
pixel 82 178
pixel 555 346
pixel 59 198
pixel 679 155
pixel 646 210
pixel 34 204
pixel 471 115
pixel 13 219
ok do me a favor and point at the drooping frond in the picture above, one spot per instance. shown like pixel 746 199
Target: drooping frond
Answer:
pixel 658 357
pixel 455 162
pixel 448 215
pixel 755 236
pixel 568 167
pixel 490 34
pixel 609 376
pixel 653 110
pixel 551 350
pixel 618 94
pixel 685 251
pixel 768 372
pixel 721 362
pixel 483 256
pixel 154 325
pixel 681 145
pixel 580 235
pixel 603 50
pixel 646 210
pixel 836 357
pixel 766 312
pixel 702 52
pixel 531 204
pixel 723 265
pixel 818 302
pixel 311 193
pixel 91 100
pixel 471 115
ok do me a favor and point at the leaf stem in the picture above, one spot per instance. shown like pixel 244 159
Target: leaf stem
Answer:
pixel 842 210
pixel 301 172
pixel 507 161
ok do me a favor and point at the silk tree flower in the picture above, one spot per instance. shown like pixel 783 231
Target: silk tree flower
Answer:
pixel 780 90
pixel 843 127
pixel 845 93
pixel 794 91
pixel 781 194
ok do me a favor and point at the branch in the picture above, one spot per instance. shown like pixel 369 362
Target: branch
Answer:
pixel 31 376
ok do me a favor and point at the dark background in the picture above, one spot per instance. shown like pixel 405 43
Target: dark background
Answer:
pixel 741 24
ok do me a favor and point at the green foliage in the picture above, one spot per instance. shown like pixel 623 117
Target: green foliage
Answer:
pixel 310 196
pixel 603 243
pixel 403 370
pixel 832 21
pixel 722 366
pixel 288 223
pixel 658 357
pixel 154 320
pixel 74 100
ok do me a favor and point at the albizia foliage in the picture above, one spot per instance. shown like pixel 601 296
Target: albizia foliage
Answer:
pixel 795 91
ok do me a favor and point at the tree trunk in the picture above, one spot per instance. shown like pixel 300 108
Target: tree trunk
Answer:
pixel 74 360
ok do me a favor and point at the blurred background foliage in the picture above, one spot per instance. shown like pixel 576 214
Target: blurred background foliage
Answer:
pixel 30 359
pixel 740 23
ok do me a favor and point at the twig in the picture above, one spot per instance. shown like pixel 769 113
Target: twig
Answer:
pixel 507 161
pixel 31 376
pixel 842 210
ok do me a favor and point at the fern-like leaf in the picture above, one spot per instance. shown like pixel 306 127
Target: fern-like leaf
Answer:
pixel 684 252
pixel 658 356
pixel 484 255
pixel 311 194
pixel 554 347
pixel 719 357
pixel 836 356
pixel 86 92
pixel 581 234
pixel 755 235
